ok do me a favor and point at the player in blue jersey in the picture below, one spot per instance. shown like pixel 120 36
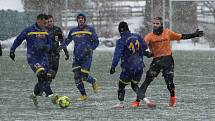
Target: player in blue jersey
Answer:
pixel 130 49
pixel 85 42
pixel 38 45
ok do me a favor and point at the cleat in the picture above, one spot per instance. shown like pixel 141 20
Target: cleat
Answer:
pixel 82 98
pixel 172 101
pixel 150 104
pixel 34 98
pixel 95 87
pixel 135 104
pixel 119 105
pixel 54 99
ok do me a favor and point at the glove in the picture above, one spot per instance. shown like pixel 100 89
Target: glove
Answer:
pixel 12 56
pixel 148 54
pixel 198 33
pixel 67 56
pixel 112 70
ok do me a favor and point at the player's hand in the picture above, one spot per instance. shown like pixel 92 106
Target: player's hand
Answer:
pixel 112 70
pixel 67 56
pixel 148 54
pixel 199 33
pixel 12 56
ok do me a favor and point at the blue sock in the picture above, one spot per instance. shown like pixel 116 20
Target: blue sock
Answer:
pixel 91 80
pixel 81 88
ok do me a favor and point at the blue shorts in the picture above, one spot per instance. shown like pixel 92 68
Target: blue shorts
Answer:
pixel 131 75
pixel 35 62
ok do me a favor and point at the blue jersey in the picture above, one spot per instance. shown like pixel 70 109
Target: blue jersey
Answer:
pixel 38 44
pixel 129 48
pixel 85 41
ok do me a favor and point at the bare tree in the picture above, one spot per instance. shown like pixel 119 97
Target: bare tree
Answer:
pixel 52 7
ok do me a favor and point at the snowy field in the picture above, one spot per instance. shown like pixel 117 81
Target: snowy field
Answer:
pixel 194 79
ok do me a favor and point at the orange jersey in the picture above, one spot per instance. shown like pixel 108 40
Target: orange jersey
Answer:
pixel 159 45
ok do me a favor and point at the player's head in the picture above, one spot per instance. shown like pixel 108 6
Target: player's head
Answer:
pixel 50 21
pixel 81 19
pixel 157 24
pixel 42 20
pixel 123 27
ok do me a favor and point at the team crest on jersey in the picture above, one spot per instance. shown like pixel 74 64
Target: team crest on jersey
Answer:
pixel 133 45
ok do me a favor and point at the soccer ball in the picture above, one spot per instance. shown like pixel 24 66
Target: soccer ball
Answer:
pixel 64 101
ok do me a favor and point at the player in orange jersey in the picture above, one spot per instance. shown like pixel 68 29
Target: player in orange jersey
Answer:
pixel 159 45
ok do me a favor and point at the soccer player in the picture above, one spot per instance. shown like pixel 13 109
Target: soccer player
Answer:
pixel 38 45
pixel 85 42
pixel 130 48
pixel 0 50
pixel 56 36
pixel 159 45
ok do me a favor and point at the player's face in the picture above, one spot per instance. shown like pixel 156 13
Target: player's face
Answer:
pixel 156 23
pixel 81 20
pixel 42 23
pixel 50 22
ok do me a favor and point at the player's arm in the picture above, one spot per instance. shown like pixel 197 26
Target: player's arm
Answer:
pixel 61 39
pixel 146 53
pixel 17 42
pixel 66 41
pixel 95 39
pixel 197 33
pixel 117 55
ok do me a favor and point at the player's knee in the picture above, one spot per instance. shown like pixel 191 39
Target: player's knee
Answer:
pixel 168 75
pixel 151 74
pixel 85 76
pixel 134 86
pixel 77 75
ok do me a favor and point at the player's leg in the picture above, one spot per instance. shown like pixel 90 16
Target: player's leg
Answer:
pixel 153 72
pixel 87 77
pixel 123 82
pixel 168 74
pixel 79 83
pixel 55 64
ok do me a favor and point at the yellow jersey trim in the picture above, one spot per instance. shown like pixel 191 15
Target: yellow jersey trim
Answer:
pixel 36 33
pixel 40 69
pixel 85 71
pixel 81 32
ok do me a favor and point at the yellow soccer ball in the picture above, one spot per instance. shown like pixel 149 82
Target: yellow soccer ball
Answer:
pixel 64 101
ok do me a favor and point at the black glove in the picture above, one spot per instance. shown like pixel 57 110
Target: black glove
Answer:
pixel 148 54
pixel 198 33
pixel 12 56
pixel 112 70
pixel 67 56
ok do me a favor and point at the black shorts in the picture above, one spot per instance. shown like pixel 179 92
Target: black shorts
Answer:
pixel 164 64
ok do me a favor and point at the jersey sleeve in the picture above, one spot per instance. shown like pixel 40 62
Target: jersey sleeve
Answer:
pixel 95 39
pixel 18 41
pixel 173 35
pixel 117 53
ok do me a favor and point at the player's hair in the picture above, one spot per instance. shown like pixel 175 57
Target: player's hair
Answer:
pixel 159 18
pixel 49 16
pixel 42 16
